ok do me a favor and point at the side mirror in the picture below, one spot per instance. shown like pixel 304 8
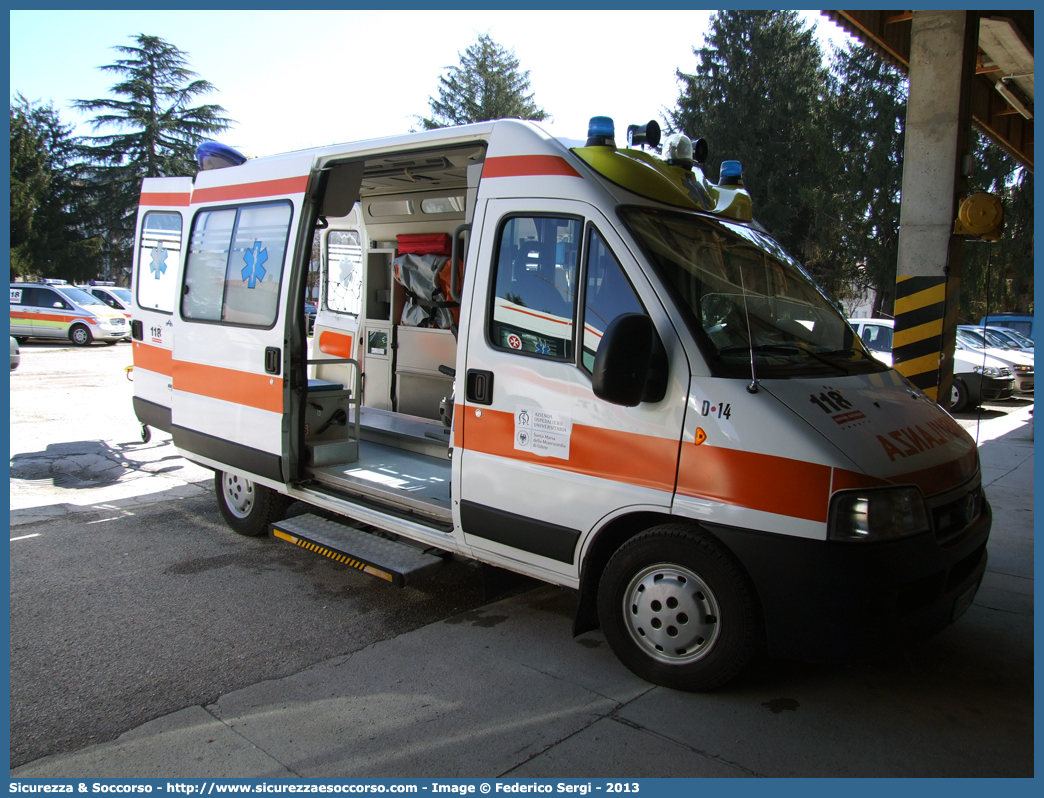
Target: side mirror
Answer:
pixel 624 359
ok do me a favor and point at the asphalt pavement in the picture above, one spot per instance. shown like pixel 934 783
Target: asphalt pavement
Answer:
pixel 504 690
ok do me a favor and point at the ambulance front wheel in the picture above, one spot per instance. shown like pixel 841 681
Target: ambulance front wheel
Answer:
pixel 246 506
pixel 677 610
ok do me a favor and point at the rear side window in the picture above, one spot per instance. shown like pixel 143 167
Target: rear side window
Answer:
pixel 344 271
pixel 235 264
pixel 158 254
pixel 534 308
pixel 23 296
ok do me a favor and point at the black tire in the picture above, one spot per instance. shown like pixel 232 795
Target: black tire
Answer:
pixel 146 433
pixel 652 596
pixel 80 335
pixel 248 508
pixel 958 395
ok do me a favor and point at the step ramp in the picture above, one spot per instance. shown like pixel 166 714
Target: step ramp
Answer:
pixel 397 563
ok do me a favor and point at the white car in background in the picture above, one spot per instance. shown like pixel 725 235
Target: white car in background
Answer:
pixel 1013 337
pixel 975 378
pixel 977 341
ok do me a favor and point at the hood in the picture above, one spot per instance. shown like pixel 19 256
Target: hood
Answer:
pixel 965 362
pixel 1009 357
pixel 892 432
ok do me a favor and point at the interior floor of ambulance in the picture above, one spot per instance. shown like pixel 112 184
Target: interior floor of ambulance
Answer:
pixel 403 460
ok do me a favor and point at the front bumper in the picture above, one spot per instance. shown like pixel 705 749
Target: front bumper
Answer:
pixel 830 601
pixel 993 389
pixel 112 331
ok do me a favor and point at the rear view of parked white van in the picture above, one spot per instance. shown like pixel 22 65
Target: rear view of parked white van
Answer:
pixel 577 361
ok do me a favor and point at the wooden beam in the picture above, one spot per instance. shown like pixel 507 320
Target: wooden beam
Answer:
pixel 906 16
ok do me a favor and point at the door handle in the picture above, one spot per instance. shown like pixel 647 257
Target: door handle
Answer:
pixel 479 387
pixel 272 360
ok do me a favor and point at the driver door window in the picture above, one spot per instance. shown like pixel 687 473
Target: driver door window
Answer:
pixel 535 285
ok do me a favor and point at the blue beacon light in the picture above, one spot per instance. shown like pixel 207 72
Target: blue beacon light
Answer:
pixel 731 174
pixel 601 132
pixel 212 155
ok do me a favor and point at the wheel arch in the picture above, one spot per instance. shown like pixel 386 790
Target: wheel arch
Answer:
pixel 610 537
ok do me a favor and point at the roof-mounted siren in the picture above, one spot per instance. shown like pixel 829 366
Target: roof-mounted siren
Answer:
pixel 211 155
pixel 601 132
pixel 731 174
pixel 640 135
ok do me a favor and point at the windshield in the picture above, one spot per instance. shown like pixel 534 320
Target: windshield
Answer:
pixel 1019 338
pixel 743 297
pixel 81 297
pixel 123 294
pixel 982 339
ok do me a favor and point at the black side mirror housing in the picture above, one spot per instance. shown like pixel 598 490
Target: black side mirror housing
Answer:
pixel 624 359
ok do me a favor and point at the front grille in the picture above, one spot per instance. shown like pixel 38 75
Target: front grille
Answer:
pixel 953 517
pixel 1004 371
pixel 961 570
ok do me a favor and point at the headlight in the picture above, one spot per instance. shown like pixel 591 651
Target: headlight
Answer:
pixel 1023 369
pixel 987 371
pixel 883 514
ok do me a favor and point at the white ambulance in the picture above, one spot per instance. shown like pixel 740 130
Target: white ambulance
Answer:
pixel 578 361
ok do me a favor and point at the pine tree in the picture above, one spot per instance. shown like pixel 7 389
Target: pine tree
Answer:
pixel 869 135
pixel 157 131
pixel 487 85
pixel 761 95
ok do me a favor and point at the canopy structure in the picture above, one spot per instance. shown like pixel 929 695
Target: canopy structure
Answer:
pixel 1002 89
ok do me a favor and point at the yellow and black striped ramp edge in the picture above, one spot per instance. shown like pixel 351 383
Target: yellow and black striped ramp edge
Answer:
pixel 389 560
pixel 920 311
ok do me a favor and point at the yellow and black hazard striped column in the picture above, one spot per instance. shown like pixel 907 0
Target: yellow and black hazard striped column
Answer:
pixel 925 330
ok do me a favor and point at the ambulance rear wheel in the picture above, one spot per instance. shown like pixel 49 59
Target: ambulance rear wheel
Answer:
pixel 80 335
pixel 677 610
pixel 246 506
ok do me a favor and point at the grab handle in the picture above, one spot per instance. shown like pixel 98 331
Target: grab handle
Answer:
pixel 454 272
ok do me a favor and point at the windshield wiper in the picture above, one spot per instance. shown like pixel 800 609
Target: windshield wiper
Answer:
pixel 787 349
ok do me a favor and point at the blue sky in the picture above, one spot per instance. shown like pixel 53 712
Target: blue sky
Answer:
pixel 293 80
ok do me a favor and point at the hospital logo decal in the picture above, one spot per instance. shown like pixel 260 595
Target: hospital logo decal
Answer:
pixel 255 259
pixel 514 342
pixel 545 433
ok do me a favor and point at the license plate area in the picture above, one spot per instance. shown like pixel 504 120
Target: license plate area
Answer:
pixel 963 601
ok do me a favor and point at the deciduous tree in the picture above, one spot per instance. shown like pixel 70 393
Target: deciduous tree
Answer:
pixel 50 234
